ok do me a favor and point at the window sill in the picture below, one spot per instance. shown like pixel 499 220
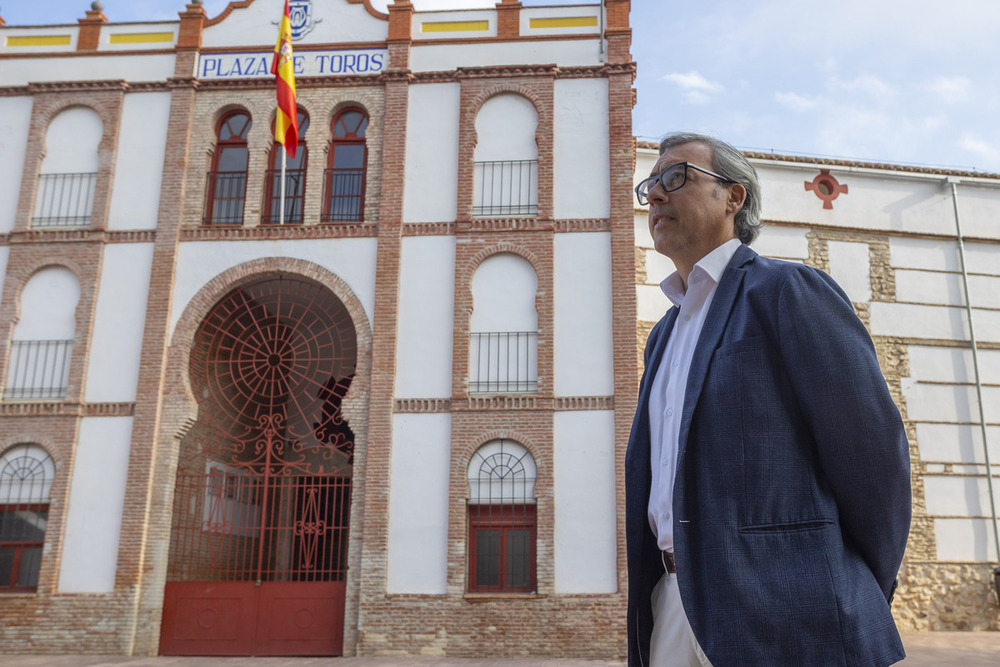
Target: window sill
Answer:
pixel 483 597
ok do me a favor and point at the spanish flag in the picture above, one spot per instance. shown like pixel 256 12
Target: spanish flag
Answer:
pixel 286 123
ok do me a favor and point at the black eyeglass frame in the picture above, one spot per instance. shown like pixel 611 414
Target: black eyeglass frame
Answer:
pixel 658 178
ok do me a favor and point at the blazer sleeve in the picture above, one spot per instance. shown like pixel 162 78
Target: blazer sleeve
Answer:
pixel 862 449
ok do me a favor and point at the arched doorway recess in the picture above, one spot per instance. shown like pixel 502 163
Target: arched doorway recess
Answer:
pixel 259 536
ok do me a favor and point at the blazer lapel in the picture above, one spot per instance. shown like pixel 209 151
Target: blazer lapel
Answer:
pixel 641 426
pixel 711 332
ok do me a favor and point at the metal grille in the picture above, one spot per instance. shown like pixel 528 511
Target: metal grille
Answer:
pixel 344 194
pixel 502 518
pixel 26 474
pixel 225 193
pixel 295 193
pixel 503 362
pixel 38 369
pixel 263 486
pixel 506 187
pixel 64 200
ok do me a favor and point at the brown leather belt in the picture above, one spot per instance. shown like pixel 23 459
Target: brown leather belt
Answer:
pixel 668 561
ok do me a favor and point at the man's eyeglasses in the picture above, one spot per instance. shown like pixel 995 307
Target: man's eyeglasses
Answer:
pixel 672 178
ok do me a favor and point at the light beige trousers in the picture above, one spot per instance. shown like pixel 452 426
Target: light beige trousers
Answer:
pixel 673 643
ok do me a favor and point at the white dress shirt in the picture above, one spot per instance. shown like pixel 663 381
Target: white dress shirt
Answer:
pixel 666 399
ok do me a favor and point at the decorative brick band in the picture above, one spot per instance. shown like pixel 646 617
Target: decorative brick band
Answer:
pixel 61 409
pixel 500 403
pixel 563 403
pixel 429 229
pixel 131 236
pixel 422 405
pixel 583 225
pixel 479 225
pixel 78 236
pixel 36 88
pixel 278 232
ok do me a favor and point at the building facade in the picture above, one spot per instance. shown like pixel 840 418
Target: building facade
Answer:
pixel 375 416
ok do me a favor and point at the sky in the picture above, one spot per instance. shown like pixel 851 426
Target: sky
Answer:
pixel 893 81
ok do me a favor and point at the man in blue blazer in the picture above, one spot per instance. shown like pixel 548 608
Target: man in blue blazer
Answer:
pixel 767 473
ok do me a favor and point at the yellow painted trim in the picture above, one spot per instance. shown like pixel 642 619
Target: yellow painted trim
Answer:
pixel 564 22
pixel 140 37
pixel 455 26
pixel 39 40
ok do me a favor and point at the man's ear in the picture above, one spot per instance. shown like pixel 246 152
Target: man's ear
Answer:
pixel 736 198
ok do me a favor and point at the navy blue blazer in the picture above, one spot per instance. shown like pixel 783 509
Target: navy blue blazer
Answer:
pixel 792 494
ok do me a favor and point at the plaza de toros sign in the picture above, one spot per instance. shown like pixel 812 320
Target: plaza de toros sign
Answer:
pixel 351 62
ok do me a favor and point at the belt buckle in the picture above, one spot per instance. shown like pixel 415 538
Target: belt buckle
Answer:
pixel 667 558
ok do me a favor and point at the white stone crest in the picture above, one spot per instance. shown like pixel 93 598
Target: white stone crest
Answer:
pixel 301 15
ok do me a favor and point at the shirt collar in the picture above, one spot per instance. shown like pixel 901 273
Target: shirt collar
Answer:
pixel 712 265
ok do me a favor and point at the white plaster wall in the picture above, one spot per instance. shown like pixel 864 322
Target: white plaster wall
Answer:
pixel 582 342
pixel 71 142
pixel 909 320
pixel 130 68
pixel 428 58
pixel 417 560
pixel 929 287
pixel 528 13
pixel 334 22
pixel 119 321
pixel 48 305
pixel 432 153
pixel 585 523
pixel 505 129
pixel 426 317
pixel 658 267
pixel 142 144
pixel 782 242
pixel 96 500
pixel 949 364
pixel 953 495
pixel 4 254
pixel 70 30
pixel 957 443
pixel 581 187
pixel 172 27
pixel 15 117
pixel 977 208
pixel 353 260
pixel 504 287
pixel 420 18
pixel 950 403
pixel 928 254
pixel 651 302
pixel 964 540
pixel 873 202
pixel 850 266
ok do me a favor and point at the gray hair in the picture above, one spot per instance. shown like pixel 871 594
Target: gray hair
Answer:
pixel 730 163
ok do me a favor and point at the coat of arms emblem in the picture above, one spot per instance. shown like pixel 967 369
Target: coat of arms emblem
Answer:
pixel 301 15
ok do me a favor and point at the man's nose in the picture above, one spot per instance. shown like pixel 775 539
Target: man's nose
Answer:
pixel 656 194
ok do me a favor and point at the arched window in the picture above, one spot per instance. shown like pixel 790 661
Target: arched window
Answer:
pixel 346 168
pixel 503 338
pixel 42 343
pixel 502 519
pixel 26 474
pixel 227 182
pixel 295 180
pixel 505 180
pixel 69 170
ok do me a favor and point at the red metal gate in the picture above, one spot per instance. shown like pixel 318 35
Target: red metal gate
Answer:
pixel 258 554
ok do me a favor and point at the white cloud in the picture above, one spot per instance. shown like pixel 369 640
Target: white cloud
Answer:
pixel 981 149
pixel 867 84
pixel 696 88
pixel 796 102
pixel 950 89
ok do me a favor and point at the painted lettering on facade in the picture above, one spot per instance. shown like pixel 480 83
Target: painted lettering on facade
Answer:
pixel 307 63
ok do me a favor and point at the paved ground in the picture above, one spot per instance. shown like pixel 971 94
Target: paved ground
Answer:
pixel 924 649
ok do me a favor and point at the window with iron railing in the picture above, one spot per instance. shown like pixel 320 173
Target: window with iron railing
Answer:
pixel 506 187
pixel 26 475
pixel 226 183
pixel 345 195
pixel 503 362
pixel 38 369
pixel 295 194
pixel 502 519
pixel 64 200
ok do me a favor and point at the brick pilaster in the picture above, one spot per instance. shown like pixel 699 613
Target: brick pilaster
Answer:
pixel 90 30
pixel 192 24
pixel 509 19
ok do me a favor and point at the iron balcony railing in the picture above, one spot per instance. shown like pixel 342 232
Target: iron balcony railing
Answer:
pixel 503 362
pixel 506 187
pixel 345 194
pixel 38 369
pixel 295 192
pixel 225 192
pixel 64 200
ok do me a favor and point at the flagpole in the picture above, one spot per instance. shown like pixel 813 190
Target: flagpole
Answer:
pixel 284 154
